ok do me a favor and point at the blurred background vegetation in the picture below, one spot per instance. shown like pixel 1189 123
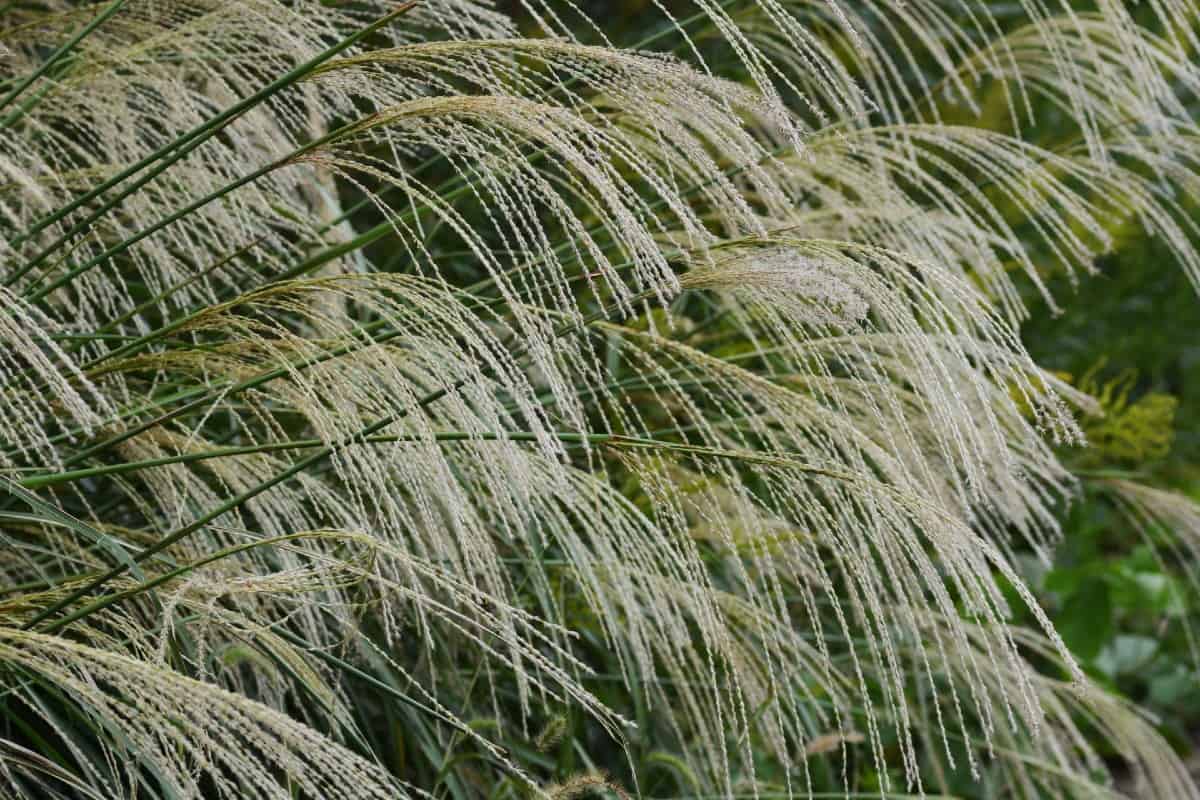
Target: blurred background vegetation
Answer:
pixel 1130 335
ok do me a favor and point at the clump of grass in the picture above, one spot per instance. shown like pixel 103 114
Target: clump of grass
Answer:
pixel 370 370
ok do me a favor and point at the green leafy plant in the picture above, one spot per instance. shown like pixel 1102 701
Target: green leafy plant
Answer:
pixel 414 399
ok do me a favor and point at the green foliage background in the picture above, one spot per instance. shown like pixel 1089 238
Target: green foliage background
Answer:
pixel 1138 327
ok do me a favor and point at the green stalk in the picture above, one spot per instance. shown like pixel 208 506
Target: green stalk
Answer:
pixel 53 479
pixel 208 396
pixel 196 205
pixel 58 54
pixel 350 669
pixel 147 585
pixel 172 152
pixel 70 433
pixel 26 104
pixel 170 290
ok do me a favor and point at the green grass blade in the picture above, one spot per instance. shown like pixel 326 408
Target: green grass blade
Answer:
pixel 170 153
pixel 60 53
pixel 54 516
